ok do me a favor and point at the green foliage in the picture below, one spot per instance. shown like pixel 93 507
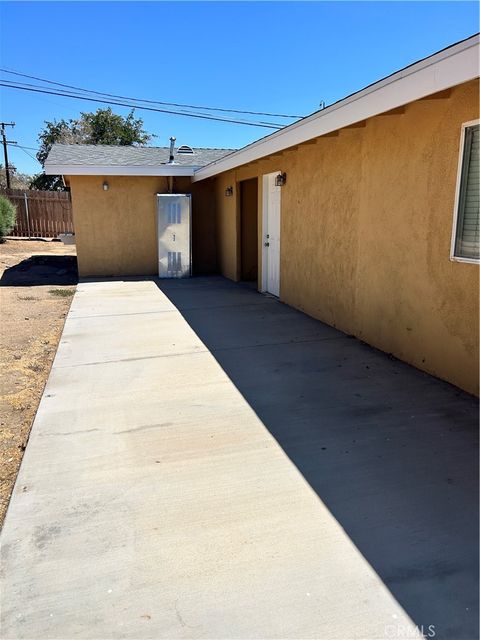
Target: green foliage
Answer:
pixel 61 131
pixel 17 180
pixel 41 182
pixel 101 127
pixel 7 217
pixel 106 127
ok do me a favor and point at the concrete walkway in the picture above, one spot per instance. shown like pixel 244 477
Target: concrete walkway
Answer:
pixel 209 463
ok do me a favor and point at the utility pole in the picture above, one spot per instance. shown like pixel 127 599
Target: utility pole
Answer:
pixel 5 152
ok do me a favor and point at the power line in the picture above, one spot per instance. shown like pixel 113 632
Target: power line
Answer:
pixel 64 94
pixel 170 104
pixel 8 84
pixel 18 84
pixel 24 147
pixel 15 145
pixel 28 154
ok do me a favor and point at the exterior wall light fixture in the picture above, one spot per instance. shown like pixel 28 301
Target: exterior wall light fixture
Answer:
pixel 280 180
pixel 105 186
pixel 229 191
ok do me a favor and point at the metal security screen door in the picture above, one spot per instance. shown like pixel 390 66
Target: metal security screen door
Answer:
pixel 271 235
pixel 174 235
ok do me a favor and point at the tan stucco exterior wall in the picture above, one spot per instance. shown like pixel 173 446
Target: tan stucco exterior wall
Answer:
pixel 115 230
pixel 366 224
pixel 227 226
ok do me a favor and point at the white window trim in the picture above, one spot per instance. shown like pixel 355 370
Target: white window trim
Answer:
pixel 453 257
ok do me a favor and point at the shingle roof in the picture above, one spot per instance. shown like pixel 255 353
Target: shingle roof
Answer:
pixel 122 156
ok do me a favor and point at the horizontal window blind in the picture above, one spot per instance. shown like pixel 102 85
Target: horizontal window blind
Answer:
pixel 467 243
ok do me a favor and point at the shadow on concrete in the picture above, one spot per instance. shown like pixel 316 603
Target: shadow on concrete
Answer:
pixel 42 270
pixel 390 450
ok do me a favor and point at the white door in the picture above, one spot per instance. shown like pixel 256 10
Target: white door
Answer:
pixel 271 235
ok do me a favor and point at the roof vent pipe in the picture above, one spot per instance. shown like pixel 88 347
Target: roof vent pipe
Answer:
pixel 172 146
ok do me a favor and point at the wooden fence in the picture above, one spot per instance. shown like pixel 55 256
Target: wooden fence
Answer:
pixel 41 214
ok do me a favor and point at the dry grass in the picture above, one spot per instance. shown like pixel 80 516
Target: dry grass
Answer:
pixel 61 293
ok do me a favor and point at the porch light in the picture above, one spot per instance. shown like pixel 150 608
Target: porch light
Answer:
pixel 105 186
pixel 229 191
pixel 281 179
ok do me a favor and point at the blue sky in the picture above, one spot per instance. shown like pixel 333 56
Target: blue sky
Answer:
pixel 265 56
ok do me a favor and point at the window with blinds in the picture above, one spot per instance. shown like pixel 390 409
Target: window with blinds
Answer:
pixel 467 233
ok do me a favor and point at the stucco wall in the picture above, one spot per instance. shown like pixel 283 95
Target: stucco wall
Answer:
pixel 115 230
pixel 366 223
pixel 227 226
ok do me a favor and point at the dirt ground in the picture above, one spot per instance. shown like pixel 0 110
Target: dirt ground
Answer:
pixel 37 283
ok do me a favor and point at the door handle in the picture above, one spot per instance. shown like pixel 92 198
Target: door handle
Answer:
pixel 267 244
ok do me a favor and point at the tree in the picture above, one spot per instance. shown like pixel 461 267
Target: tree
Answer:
pixel 105 127
pixel 41 182
pixel 17 180
pixel 101 127
pixel 61 131
pixel 7 217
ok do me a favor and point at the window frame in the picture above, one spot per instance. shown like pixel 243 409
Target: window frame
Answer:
pixel 454 257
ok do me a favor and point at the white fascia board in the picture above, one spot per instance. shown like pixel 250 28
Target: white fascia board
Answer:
pixel 446 69
pixel 91 170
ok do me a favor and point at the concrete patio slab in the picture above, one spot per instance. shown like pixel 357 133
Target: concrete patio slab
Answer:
pixel 209 463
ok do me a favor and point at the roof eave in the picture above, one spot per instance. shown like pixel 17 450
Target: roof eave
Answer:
pixel 443 70
pixel 103 170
